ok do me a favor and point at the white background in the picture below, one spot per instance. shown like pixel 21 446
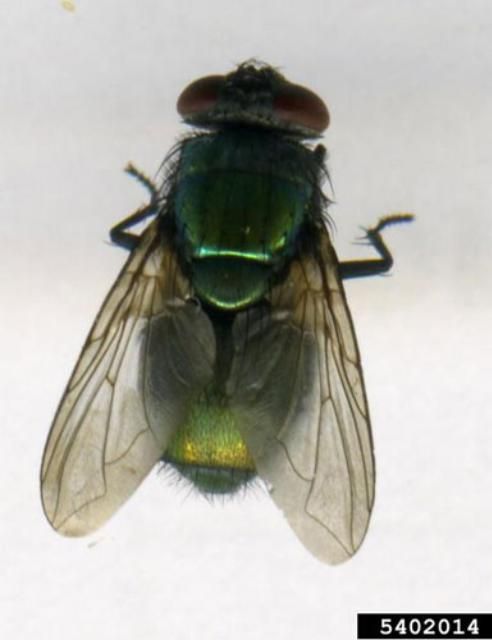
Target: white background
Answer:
pixel 409 86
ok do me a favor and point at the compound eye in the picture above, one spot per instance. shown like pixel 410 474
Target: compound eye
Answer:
pixel 298 105
pixel 199 96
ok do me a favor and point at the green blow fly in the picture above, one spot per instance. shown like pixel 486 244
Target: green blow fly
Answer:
pixel 225 348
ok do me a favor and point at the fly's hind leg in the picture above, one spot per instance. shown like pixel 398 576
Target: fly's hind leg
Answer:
pixel 362 268
pixel 119 234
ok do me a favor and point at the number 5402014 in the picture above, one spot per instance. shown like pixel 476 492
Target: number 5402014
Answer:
pixel 439 627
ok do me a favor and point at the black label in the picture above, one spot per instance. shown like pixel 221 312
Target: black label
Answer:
pixel 424 625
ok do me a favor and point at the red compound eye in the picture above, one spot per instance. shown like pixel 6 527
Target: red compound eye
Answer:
pixel 200 95
pixel 292 106
pixel 298 105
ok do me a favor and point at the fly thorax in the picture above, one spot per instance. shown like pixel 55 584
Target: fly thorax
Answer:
pixel 241 199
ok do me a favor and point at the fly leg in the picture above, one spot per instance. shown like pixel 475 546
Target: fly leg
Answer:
pixel 362 268
pixel 118 233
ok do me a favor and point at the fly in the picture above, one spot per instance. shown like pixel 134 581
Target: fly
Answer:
pixel 225 348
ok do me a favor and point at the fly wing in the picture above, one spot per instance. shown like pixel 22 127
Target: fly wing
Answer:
pixel 147 354
pixel 297 389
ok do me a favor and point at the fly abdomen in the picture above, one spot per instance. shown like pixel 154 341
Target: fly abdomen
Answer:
pixel 209 450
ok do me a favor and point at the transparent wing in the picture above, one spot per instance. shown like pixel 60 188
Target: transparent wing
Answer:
pixel 297 388
pixel 146 355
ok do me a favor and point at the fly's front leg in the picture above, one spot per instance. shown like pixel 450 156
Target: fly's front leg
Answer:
pixel 118 233
pixel 362 268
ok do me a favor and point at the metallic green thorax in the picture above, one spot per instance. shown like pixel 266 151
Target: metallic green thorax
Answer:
pixel 242 196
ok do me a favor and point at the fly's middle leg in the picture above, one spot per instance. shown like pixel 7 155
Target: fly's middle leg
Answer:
pixel 119 234
pixel 375 266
